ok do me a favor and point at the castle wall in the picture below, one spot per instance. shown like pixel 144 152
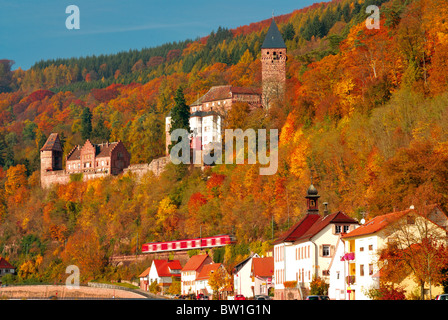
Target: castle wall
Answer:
pixel 53 177
pixel 157 166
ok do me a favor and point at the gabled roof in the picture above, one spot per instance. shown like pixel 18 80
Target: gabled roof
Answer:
pixel 224 92
pixel 145 273
pixel 311 225
pixel 101 150
pixel 207 269
pixel 5 264
pixel 378 223
pixel 164 267
pixel 263 267
pixel 274 38
pixel 195 262
pixel 241 264
pixel 52 144
pixel 298 229
pixel 322 222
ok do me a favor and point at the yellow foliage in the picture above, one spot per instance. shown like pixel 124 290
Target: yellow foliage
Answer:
pixel 297 160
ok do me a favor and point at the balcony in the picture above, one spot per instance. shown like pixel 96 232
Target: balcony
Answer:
pixel 350 256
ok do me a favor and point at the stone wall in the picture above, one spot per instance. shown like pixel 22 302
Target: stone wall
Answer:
pixel 157 166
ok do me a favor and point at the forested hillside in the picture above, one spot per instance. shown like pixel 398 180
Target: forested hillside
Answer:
pixel 365 114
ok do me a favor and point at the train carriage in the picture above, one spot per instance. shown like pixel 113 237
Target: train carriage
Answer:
pixel 189 244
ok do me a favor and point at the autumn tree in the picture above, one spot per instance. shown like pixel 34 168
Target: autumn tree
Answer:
pixel 83 250
pixel 218 280
pixel 415 249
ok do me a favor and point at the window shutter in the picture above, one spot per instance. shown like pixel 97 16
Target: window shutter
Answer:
pixel 321 251
pixel 331 251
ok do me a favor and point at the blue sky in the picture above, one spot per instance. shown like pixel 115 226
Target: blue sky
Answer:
pixel 32 30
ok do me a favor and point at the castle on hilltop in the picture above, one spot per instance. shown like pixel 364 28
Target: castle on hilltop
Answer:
pixel 90 160
pixel 206 113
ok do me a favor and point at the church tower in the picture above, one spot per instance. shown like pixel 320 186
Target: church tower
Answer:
pixel 273 66
pixel 312 197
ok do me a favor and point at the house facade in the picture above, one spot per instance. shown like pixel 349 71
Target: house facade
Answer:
pixel 5 268
pixel 161 271
pixel 242 277
pixel 358 265
pixel 202 283
pixel 305 251
pixel 262 273
pixel 191 271
pixel 109 158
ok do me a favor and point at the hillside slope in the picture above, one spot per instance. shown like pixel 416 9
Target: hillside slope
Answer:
pixel 364 114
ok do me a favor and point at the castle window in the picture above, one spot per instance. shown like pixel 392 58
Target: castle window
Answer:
pixel 69 167
pixel 102 163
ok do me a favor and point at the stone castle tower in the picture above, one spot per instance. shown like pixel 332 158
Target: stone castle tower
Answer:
pixel 273 66
pixel 51 154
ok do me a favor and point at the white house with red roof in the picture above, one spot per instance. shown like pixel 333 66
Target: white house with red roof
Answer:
pixel 5 268
pixel 191 271
pixel 161 271
pixel 202 285
pixel 357 270
pixel 305 250
pixel 262 272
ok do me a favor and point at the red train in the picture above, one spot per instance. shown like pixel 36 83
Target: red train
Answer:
pixel 188 244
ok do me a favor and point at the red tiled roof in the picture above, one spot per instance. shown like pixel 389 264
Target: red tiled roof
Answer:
pixel 263 267
pixel 322 222
pixel 376 224
pixel 195 262
pixel 298 229
pixel 163 267
pixel 5 264
pixel 207 269
pixel 145 273
pixel 311 225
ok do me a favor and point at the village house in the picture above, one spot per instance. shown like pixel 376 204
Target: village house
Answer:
pixel 355 270
pixel 242 277
pixel 191 271
pixel 202 283
pixel 262 272
pixel 5 268
pixel 306 250
pixel 161 271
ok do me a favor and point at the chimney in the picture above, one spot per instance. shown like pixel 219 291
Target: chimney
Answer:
pixel 326 208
